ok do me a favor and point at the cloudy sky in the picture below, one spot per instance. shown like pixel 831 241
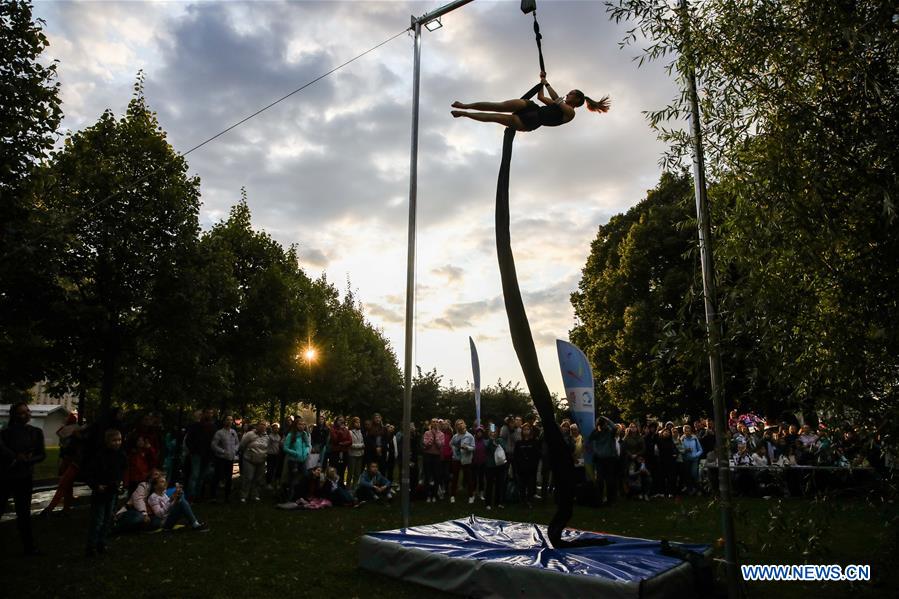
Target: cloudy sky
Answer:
pixel 328 169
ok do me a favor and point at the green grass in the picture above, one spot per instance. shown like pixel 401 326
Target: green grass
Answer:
pixel 255 548
pixel 49 468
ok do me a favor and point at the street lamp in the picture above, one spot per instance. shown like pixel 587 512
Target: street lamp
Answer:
pixel 430 21
pixel 309 354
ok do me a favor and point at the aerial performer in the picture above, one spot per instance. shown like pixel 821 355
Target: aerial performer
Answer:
pixel 525 115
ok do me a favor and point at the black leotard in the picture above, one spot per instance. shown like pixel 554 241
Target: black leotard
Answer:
pixel 534 116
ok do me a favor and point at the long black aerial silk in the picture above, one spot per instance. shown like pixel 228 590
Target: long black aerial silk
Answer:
pixel 523 342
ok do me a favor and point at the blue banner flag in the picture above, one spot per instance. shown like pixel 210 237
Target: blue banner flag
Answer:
pixel 577 375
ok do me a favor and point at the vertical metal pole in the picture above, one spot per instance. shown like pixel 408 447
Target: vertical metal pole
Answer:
pixel 410 277
pixel 713 326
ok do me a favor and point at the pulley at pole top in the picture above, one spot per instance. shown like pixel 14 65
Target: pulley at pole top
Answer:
pixel 528 6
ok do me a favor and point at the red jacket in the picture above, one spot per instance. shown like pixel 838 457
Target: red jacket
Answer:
pixel 341 440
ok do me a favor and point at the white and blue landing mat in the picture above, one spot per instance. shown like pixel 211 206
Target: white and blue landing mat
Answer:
pixel 480 557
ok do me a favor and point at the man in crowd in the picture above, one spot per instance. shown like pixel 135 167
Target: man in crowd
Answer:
pixel 21 447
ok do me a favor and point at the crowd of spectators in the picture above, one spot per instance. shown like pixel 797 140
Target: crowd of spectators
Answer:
pixel 155 477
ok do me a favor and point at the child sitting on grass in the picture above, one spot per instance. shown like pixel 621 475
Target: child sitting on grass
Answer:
pixel 166 511
pixel 373 485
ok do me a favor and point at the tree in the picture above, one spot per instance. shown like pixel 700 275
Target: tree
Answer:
pixel 260 301
pixel 638 289
pixel 798 106
pixel 129 218
pixel 29 117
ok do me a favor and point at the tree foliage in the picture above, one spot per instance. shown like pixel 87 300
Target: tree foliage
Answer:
pixel 129 216
pixel 798 105
pixel 431 398
pixel 638 289
pixel 29 118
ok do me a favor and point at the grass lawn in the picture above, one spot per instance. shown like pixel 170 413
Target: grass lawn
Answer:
pixel 255 548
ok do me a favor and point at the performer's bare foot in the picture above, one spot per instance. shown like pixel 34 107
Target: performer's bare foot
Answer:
pixel 457 113
pixel 458 104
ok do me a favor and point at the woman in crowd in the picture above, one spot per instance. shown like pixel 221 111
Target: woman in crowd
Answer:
pixel 446 458
pixel 356 451
pixel 692 453
pixel 667 463
pixel 253 449
pixel 576 443
pixel 340 443
pixel 274 455
pixel 224 449
pixel 432 445
pixel 479 464
pixel 527 458
pixel 462 444
pixel 320 437
pixel 375 442
pixel 71 449
pixel 296 450
pixel 496 465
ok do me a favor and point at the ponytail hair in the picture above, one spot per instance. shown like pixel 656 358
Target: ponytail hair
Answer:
pixel 601 105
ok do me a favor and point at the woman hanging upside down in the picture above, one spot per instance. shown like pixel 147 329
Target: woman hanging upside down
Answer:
pixel 524 115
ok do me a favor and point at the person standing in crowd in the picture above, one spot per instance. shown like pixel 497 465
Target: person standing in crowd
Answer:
pixel 254 449
pixel 651 452
pixel 707 439
pixel 632 445
pixel 510 433
pixel 296 451
pixel 356 452
pixel 224 449
pixel 692 453
pixel 463 452
pixel 576 442
pixel 21 447
pixel 479 464
pixel 496 465
pixel 392 451
pixel 375 450
pixel 373 485
pixel 446 458
pixel 321 439
pixel 414 455
pixel 104 475
pixel 273 455
pixel 199 448
pixel 605 458
pixel 545 470
pixel 170 462
pixel 527 458
pixel 667 484
pixel 432 445
pixel 141 459
pixel 341 441
pixel 71 450
pixel 638 478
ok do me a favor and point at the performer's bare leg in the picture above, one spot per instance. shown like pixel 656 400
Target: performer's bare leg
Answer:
pixel 506 120
pixel 507 106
